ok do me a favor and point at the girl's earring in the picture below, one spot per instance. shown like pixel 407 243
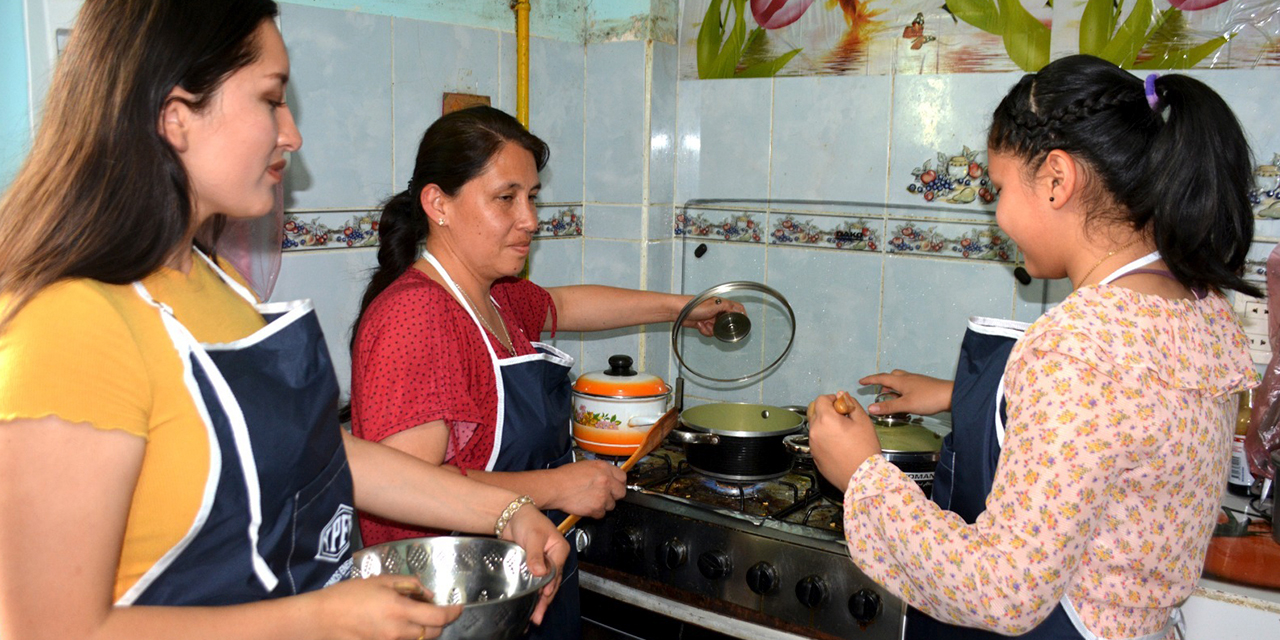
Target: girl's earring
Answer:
pixel 440 221
pixel 1050 198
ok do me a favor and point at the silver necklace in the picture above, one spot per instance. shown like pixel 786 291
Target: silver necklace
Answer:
pixel 510 346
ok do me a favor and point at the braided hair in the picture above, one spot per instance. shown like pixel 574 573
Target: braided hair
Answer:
pixel 1180 170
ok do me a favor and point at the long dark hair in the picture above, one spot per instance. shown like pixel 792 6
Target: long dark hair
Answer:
pixel 455 149
pixel 1183 169
pixel 102 195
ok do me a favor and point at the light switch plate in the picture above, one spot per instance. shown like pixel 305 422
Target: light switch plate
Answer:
pixel 1254 318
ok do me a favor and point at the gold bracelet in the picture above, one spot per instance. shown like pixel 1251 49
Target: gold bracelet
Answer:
pixel 508 513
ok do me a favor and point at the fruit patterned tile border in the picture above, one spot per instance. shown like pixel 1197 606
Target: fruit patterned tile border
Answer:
pixel 966 241
pixel 311 231
pixel 856 234
pixel 559 221
pixel 871 233
pixel 1266 193
pixel 330 230
pixel 729 226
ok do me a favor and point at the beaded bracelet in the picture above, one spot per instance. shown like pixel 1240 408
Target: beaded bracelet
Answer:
pixel 508 513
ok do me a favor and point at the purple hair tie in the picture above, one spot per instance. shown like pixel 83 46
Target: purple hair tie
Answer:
pixel 1150 84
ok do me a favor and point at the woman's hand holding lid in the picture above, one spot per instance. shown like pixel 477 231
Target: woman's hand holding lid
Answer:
pixel 543 545
pixel 703 317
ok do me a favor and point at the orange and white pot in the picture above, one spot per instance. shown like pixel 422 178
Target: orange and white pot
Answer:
pixel 614 409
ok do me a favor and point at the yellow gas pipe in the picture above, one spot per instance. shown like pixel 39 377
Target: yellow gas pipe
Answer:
pixel 521 8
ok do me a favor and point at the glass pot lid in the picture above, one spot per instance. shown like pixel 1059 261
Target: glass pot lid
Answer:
pixel 755 349
pixel 898 433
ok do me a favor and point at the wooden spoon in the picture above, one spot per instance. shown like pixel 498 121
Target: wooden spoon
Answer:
pixel 843 403
pixel 657 432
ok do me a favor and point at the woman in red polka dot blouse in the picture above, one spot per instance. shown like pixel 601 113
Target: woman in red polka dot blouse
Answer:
pixel 445 362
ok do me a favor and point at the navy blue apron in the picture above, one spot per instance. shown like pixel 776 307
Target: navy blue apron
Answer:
pixel 535 404
pixel 276 515
pixel 967 465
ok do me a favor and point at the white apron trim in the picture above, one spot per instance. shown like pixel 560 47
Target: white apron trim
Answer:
pixel 555 355
pixel 186 344
pixel 1176 623
pixel 1136 264
pixel 210 484
pixel 998 327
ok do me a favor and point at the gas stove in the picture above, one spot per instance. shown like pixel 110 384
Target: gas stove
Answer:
pixel 768 556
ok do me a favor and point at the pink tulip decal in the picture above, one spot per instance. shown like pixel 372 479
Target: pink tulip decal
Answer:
pixel 1192 5
pixel 775 14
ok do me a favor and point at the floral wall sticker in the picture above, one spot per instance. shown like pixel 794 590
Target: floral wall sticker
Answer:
pixel 760 38
pixel 955 179
pixel 1265 196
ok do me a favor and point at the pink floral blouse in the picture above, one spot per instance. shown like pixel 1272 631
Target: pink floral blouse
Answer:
pixel 1120 417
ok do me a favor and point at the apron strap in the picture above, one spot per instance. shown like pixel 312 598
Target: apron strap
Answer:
pixel 231 282
pixel 1132 266
pixel 186 343
pixel 493 355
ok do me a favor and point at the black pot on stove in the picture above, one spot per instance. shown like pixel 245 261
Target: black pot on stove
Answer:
pixel 907 444
pixel 737 442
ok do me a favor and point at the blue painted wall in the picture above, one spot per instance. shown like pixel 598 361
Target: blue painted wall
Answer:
pixel 15 123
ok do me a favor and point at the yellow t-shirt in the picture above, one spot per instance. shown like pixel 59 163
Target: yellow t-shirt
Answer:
pixel 96 353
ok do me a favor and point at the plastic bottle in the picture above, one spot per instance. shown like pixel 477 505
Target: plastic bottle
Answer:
pixel 1239 480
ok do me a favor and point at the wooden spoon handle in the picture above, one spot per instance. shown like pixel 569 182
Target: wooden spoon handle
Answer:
pixel 843 403
pixel 652 439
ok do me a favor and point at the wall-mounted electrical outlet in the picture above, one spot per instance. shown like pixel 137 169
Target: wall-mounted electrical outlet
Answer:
pixel 1255 318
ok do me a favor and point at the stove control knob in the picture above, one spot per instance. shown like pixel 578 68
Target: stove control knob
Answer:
pixel 864 606
pixel 762 578
pixel 715 565
pixel 629 543
pixel 673 553
pixel 811 591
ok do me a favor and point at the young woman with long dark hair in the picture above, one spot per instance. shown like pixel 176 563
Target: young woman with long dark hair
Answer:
pixel 1080 485
pixel 171 461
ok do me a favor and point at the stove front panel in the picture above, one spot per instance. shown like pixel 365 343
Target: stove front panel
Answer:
pixel 810 584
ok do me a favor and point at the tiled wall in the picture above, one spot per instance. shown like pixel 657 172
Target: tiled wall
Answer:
pixel 364 87
pixel 815 187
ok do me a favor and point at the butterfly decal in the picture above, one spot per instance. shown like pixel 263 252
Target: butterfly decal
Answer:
pixel 915 33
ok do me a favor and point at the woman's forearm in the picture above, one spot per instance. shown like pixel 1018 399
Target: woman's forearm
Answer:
pixel 594 308
pixel 395 485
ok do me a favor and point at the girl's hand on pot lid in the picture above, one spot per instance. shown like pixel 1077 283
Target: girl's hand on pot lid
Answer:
pixel 917 394
pixel 840 443
pixel 703 317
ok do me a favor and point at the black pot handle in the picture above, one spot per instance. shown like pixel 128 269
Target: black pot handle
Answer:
pixel 693 437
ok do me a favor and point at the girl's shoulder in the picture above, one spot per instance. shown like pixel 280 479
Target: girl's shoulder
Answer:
pixel 1191 344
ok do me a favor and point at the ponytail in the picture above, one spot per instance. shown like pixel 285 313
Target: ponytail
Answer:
pixel 402 228
pixel 1200 171
pixel 1184 179
pixel 455 149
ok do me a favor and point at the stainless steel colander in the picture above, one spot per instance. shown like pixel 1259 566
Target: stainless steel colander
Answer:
pixel 488 576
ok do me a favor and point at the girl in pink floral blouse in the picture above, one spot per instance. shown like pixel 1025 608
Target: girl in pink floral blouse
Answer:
pixel 1112 416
